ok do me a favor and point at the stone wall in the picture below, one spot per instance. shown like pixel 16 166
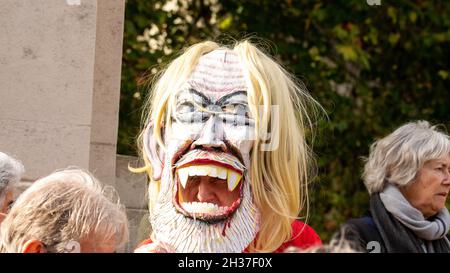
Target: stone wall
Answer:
pixel 60 64
pixel 132 189
pixel 60 72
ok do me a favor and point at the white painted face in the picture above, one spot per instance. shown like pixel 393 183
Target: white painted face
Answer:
pixel 207 159
pixel 211 138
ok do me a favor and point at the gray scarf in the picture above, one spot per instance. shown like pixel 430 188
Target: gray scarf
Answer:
pixel 428 230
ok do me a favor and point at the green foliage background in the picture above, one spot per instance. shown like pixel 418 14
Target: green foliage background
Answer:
pixel 373 68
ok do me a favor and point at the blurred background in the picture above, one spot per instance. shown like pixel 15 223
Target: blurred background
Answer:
pixel 373 65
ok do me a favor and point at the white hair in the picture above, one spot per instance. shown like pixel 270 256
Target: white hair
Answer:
pixel 66 206
pixel 11 170
pixel 397 158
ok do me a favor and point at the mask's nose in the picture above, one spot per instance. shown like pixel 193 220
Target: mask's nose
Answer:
pixel 211 136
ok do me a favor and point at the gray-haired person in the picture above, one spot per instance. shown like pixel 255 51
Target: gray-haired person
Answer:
pixel 66 211
pixel 11 170
pixel 407 175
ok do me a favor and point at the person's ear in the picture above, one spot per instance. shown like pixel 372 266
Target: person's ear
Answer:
pixel 6 201
pixel 153 152
pixel 34 246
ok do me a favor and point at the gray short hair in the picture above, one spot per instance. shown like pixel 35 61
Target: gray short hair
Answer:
pixel 66 206
pixel 398 157
pixel 11 170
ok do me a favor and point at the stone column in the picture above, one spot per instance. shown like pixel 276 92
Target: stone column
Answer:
pixel 60 64
pixel 106 97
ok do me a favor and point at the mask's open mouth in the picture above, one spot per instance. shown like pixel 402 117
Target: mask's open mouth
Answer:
pixel 224 174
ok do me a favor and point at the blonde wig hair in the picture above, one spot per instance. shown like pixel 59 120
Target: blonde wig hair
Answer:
pixel 11 170
pixel 66 206
pixel 398 157
pixel 279 176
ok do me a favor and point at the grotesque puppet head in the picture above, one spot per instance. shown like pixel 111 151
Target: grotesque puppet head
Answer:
pixel 225 150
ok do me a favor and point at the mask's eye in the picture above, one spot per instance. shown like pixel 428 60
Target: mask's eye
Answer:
pixel 189 112
pixel 185 107
pixel 236 114
pixel 236 109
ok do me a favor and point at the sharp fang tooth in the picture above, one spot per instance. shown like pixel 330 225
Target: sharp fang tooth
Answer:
pixel 183 175
pixel 233 179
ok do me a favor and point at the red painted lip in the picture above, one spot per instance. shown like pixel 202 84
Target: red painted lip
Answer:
pixel 207 161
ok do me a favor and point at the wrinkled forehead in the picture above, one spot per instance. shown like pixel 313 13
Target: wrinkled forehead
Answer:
pixel 218 73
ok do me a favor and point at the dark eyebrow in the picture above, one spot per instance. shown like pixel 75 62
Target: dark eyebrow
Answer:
pixel 227 97
pixel 195 92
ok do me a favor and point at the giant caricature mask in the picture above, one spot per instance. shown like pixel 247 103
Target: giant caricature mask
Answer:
pixel 205 202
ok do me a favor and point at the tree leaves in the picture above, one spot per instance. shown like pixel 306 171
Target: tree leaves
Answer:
pixel 373 68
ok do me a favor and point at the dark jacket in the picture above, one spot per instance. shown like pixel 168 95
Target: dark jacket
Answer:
pixel 363 235
pixel 379 231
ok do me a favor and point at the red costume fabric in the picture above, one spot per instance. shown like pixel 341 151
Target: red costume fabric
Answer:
pixel 303 237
